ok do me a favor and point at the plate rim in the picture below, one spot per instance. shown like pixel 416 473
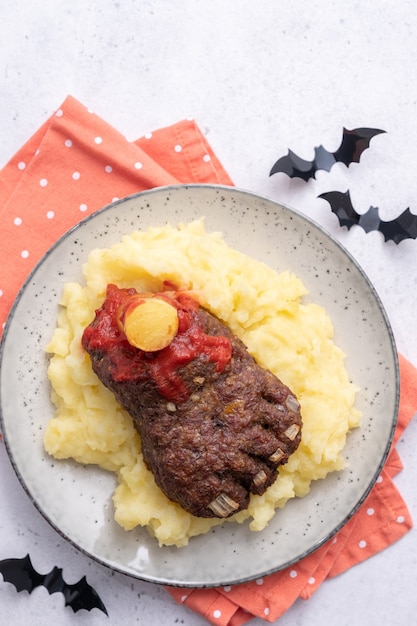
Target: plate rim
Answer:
pixel 396 376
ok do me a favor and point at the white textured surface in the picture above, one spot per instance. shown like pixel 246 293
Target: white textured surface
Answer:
pixel 259 78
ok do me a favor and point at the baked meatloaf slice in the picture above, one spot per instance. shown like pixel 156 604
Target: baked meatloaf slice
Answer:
pixel 214 425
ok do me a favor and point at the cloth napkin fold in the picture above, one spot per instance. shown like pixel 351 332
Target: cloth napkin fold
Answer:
pixel 72 166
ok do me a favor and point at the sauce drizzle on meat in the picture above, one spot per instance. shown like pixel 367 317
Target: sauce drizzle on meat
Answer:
pixel 214 425
pixel 130 364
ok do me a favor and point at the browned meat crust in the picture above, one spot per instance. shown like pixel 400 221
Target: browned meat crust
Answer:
pixel 226 440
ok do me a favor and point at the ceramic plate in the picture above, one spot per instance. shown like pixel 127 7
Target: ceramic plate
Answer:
pixel 76 500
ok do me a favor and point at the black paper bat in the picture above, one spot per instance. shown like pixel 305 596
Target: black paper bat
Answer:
pixel 21 573
pixel 402 227
pixel 354 142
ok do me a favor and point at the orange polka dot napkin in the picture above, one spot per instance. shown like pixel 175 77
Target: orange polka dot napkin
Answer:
pixel 77 163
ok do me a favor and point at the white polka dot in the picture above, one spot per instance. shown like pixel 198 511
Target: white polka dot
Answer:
pixel 401 519
pixel 148 136
pixel 24 254
pixel 177 148
pixel 138 165
pixel 76 175
pixel 206 158
pixel 334 540
pixel 183 598
pixel 379 479
pixel 362 543
pixel 370 511
pixel 98 140
pixel 115 199
pixel 266 611
pixel 68 143
pixel 50 215
pixel 37 152
pixel 90 111
pixel 43 182
pixel 260 581
pixel 17 221
pixel 311 580
pixel 83 207
pixel 293 573
pixel 217 613
pixel 227 588
pixel 21 165
pixel 108 169
pixel 59 113
pixel 1 293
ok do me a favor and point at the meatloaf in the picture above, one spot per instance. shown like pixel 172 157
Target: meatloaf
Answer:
pixel 214 425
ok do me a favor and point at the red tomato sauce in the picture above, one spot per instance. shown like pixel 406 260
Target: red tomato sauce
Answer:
pixel 129 364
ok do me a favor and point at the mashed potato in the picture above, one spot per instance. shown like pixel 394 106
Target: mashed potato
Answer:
pixel 265 309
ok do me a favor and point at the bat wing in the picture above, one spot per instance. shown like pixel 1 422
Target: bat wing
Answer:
pixel 402 227
pixel 354 142
pixel 341 206
pixel 82 596
pixel 294 167
pixel 22 574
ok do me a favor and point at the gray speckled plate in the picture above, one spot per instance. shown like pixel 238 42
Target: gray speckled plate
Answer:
pixel 76 500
